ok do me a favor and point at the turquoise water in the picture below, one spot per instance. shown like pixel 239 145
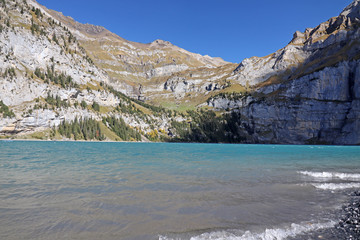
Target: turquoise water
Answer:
pixel 81 190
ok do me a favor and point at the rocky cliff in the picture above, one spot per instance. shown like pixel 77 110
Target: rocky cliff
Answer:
pixel 157 72
pixel 307 92
pixel 47 77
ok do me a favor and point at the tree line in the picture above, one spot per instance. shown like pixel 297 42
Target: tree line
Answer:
pixel 120 128
pixel 81 129
pixel 207 127
pixel 6 112
pixel 65 81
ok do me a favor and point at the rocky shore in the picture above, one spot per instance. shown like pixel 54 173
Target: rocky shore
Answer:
pixel 348 227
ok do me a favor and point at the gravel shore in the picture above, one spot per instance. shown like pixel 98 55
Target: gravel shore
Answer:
pixel 348 227
pixel 349 224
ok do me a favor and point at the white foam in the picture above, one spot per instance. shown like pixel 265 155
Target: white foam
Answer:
pixel 336 186
pixel 269 234
pixel 331 175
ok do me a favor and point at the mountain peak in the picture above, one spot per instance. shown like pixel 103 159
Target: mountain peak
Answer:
pixel 93 29
pixel 352 10
pixel 160 43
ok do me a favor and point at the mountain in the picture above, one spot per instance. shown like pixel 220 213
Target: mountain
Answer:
pixel 50 87
pixel 156 72
pixel 307 92
pixel 61 79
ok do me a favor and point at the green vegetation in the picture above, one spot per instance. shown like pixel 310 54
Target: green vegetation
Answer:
pixel 51 21
pixel 65 81
pixel 232 96
pixel 88 59
pixel 153 108
pixel 54 38
pixel 6 112
pixel 39 74
pixel 153 136
pixel 37 12
pixel 9 72
pixel 71 38
pixel 120 128
pixel 110 135
pixel 83 129
pixel 138 108
pixel 206 127
pixel 56 102
pixel 96 106
pixel 41 135
pixel 35 28
pixel 120 95
pixel 127 107
pixel 131 109
pixel 83 104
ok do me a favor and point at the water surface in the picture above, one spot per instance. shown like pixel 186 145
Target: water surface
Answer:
pixel 82 190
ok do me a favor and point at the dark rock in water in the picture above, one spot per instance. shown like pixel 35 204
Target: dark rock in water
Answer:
pixel 356 194
pixel 350 221
pixel 348 227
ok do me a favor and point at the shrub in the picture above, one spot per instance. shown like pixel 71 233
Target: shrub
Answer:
pixel 6 112
pixel 83 104
pixel 96 106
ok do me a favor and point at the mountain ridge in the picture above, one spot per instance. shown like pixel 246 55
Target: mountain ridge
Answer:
pixel 57 71
pixel 100 31
pixel 142 70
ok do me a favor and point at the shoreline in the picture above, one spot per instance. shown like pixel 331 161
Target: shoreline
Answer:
pixel 220 143
pixel 347 226
pixel 62 140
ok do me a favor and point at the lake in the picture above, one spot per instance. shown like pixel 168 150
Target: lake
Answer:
pixel 94 190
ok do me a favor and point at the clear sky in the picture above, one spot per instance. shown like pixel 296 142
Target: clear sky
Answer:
pixel 231 29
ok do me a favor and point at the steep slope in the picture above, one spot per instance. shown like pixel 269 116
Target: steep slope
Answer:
pixel 47 78
pixel 307 92
pixel 153 71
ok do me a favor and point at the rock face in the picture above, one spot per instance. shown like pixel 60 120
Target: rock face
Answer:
pixel 42 61
pixel 307 92
pixel 148 71
pixel 28 42
pixel 302 52
pixel 322 107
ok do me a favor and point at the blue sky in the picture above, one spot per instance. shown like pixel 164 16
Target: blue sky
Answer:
pixel 231 29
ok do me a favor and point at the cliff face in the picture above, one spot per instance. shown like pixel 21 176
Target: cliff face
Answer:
pixel 322 107
pixel 47 77
pixel 307 92
pixel 28 42
pixel 152 71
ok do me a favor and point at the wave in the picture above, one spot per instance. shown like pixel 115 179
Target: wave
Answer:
pixel 336 186
pixel 269 234
pixel 330 175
